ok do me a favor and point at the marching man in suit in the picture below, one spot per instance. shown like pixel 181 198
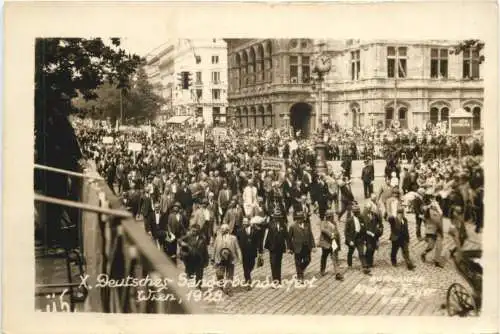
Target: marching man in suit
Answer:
pixel 176 225
pixel 156 226
pixel 194 253
pixel 368 175
pixel 276 239
pixel 329 242
pixel 400 238
pixel 302 243
pixel 374 230
pixel 355 236
pixel 226 254
pixel 224 200
pixel 248 239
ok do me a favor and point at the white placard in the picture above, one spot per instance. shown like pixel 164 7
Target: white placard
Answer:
pixel 107 140
pixel 135 147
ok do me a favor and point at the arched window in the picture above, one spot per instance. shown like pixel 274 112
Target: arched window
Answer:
pixel 252 118
pixel 389 116
pixel 237 116
pixel 476 118
pixel 269 62
pixel 261 123
pixel 356 115
pixel 238 70
pixel 260 65
pixel 270 117
pixel 244 118
pixel 445 114
pixel 403 117
pixel 434 116
pixel 251 66
pixel 244 62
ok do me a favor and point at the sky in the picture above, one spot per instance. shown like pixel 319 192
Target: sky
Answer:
pixel 142 45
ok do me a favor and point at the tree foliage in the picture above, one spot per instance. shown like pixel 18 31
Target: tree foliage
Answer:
pixel 475 45
pixel 64 69
pixel 139 102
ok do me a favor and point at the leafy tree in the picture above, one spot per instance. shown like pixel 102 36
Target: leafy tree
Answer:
pixel 140 102
pixel 66 68
pixel 145 103
pixel 475 45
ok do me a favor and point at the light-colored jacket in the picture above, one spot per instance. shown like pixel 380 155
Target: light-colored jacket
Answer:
pixel 230 242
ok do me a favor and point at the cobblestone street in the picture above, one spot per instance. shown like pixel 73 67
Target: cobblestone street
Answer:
pixel 398 291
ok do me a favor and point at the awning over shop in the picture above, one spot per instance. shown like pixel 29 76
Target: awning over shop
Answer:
pixel 178 119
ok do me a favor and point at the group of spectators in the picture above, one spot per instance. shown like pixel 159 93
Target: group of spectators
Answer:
pixel 214 194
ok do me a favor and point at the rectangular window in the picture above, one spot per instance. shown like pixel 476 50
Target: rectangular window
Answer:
pixel 199 93
pixel 306 69
pixel 216 77
pixel 397 62
pixel 198 59
pixel 294 69
pixel 199 80
pixel 439 63
pixel 355 65
pixel 471 64
pixel 216 94
pixel 216 111
pixel 215 59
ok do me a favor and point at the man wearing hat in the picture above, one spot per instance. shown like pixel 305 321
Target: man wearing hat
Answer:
pixel 302 243
pixel 248 240
pixel 329 242
pixel 355 236
pixel 400 238
pixel 433 216
pixel 374 230
pixel 418 208
pixel 368 175
pixel 226 254
pixel 233 217
pixel 194 253
pixel 176 227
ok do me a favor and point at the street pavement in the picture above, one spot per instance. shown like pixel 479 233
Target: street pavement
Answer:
pixel 387 291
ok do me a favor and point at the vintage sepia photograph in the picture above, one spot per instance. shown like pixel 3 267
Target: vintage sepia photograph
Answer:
pixel 273 176
pixel 211 168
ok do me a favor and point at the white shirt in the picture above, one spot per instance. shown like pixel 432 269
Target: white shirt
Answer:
pixel 357 225
pixel 157 217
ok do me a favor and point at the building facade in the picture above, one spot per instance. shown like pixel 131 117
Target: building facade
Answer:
pixel 406 83
pixel 193 76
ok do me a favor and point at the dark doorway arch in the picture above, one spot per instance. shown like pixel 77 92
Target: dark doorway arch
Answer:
pixel 300 118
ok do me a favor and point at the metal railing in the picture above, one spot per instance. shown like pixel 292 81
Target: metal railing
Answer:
pixel 120 258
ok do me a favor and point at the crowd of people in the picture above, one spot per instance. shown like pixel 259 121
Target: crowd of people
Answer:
pixel 216 202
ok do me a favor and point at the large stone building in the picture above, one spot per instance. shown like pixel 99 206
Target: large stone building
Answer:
pixel 370 83
pixel 193 78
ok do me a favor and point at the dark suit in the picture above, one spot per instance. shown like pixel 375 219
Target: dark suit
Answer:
pixel 368 175
pixel 418 207
pixel 321 195
pixel 301 242
pixel 177 226
pixel 400 238
pixel 185 198
pixel 146 206
pixel 357 238
pixel 248 245
pixel 196 257
pixel 374 229
pixel 276 243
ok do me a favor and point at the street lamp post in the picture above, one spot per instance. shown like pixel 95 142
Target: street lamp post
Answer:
pixel 322 66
